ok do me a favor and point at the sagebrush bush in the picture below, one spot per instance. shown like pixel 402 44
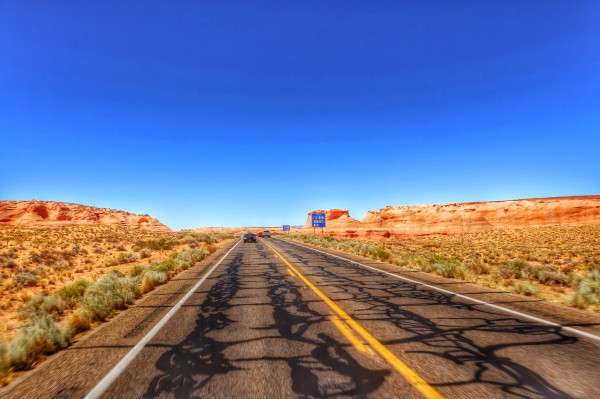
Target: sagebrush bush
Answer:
pixel 73 293
pixel 525 287
pixel 137 270
pixel 587 291
pixel 449 270
pixel 4 364
pixel 52 305
pixel 111 292
pixel 41 336
pixel 80 321
pixel 122 258
pixel 189 257
pixel 25 279
pixel 157 244
pixel 151 279
pixel 145 253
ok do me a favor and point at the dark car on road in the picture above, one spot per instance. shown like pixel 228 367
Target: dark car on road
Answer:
pixel 249 237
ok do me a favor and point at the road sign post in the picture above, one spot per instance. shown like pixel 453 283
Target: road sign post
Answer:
pixel 286 228
pixel 318 220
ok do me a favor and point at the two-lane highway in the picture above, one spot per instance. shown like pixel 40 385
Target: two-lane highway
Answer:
pixel 275 319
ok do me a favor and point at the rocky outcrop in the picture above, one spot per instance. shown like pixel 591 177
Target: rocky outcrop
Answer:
pixel 49 214
pixel 335 218
pixel 467 217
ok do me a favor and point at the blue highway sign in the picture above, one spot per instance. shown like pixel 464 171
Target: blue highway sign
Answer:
pixel 318 220
pixel 286 227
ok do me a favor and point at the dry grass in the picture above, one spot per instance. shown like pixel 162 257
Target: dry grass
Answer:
pixel 58 282
pixel 556 263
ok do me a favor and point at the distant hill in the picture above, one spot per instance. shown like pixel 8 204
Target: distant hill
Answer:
pixel 51 214
pixel 463 217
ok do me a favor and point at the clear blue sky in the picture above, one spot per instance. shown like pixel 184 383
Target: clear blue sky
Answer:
pixel 233 113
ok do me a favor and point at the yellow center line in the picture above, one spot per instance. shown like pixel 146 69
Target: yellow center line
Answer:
pixel 345 330
pixel 291 273
pixel 419 383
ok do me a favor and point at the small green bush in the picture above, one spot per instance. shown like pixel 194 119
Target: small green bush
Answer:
pixel 587 291
pixel 73 293
pixel 157 244
pixel 41 336
pixel 382 254
pixel 151 279
pixel 167 266
pixel 449 270
pixel 137 270
pixel 189 257
pixel 25 279
pixel 113 291
pixel 61 265
pixel 145 253
pixel 526 288
pixel 478 268
pixel 122 258
pixel 43 304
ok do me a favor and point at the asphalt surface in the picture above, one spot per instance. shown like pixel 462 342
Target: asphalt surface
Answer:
pixel 255 329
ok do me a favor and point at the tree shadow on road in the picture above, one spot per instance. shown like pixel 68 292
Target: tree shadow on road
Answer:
pixel 189 366
pixel 446 338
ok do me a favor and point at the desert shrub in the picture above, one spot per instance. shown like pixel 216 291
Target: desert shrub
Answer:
pixel 61 265
pixel 4 364
pixel 435 258
pixel 121 259
pixel 145 253
pixel 11 264
pixel 188 239
pixel 25 279
pixel 137 270
pixel 113 291
pixel 41 336
pixel 525 287
pixel 516 268
pixel 382 254
pixel 157 244
pixel 478 268
pixel 167 266
pixel 449 270
pixel 73 293
pixel 417 262
pixel 151 279
pixel 189 257
pixel 80 321
pixel 43 304
pixel 552 277
pixel 587 290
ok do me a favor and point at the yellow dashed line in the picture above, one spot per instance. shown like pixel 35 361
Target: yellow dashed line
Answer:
pixel 426 390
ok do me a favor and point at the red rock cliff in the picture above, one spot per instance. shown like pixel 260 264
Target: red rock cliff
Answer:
pixel 467 217
pixel 50 214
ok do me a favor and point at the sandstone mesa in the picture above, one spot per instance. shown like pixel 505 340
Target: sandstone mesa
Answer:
pixel 54 214
pixel 468 217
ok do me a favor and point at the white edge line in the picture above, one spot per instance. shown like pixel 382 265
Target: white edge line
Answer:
pixel 113 374
pixel 479 301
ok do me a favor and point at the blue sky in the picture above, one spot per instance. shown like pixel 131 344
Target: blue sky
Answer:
pixel 235 113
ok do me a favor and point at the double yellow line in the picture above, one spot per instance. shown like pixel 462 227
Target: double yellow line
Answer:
pixel 425 389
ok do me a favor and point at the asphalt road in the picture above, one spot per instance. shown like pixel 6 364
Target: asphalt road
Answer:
pixel 308 324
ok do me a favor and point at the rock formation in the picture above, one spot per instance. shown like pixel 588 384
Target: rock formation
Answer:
pixel 464 217
pixel 50 214
pixel 335 218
